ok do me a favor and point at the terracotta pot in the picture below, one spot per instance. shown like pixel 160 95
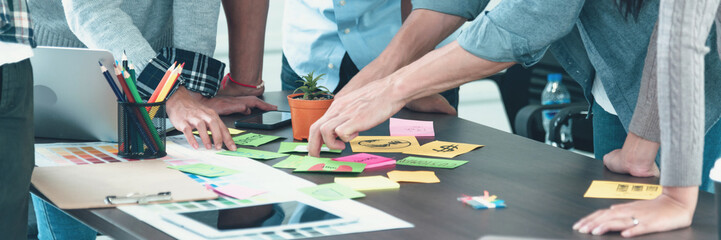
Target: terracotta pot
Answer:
pixel 303 113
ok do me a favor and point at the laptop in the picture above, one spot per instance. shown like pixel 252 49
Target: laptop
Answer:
pixel 72 98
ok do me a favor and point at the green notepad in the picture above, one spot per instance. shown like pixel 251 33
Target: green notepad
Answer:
pixel 291 162
pixel 311 164
pixel 206 170
pixel 301 147
pixel 430 162
pixel 252 153
pixel 253 139
pixel 331 191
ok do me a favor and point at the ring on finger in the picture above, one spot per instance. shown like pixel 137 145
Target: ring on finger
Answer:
pixel 634 221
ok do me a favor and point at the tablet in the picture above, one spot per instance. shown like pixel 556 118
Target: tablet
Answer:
pixel 279 216
pixel 266 120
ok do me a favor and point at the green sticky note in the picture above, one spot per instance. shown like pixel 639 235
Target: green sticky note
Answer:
pixel 311 164
pixel 253 139
pixel 206 170
pixel 331 191
pixel 291 162
pixel 430 162
pixel 301 147
pixel 252 153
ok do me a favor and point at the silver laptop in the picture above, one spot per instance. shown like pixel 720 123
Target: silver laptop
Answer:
pixel 72 98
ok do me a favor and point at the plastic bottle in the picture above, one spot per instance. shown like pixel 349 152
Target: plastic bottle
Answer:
pixel 555 93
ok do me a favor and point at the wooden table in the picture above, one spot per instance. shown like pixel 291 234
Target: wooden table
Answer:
pixel 543 187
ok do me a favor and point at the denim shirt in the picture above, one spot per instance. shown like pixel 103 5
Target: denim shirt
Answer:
pixel 318 33
pixel 587 38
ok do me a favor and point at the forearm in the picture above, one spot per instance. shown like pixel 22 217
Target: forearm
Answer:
pixel 246 30
pixel 645 117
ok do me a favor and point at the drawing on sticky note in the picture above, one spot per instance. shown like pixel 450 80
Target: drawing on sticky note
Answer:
pixel 385 143
pixel 447 148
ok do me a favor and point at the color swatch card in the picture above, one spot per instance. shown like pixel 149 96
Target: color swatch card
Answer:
pixel 331 191
pixel 384 144
pixel 430 162
pixel 232 131
pixel 371 161
pixel 413 176
pixel 205 170
pixel 293 161
pixel 622 190
pixel 368 183
pixel 252 153
pixel 301 147
pixel 311 164
pixel 405 127
pixel 443 149
pixel 237 191
pixel 253 139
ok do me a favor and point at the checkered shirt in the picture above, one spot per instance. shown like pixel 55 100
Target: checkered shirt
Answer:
pixel 15 25
pixel 201 73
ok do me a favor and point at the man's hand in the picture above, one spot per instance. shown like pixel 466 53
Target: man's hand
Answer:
pixel 186 113
pixel 637 157
pixel 232 89
pixel 432 104
pixel 224 105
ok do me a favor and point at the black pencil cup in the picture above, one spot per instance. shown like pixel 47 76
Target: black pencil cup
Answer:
pixel 141 130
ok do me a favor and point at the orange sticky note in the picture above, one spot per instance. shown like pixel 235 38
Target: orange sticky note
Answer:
pixel 413 176
pixel 443 149
pixel 384 144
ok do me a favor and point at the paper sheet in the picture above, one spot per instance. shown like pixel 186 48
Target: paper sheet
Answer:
pixel 311 164
pixel 293 161
pixel 367 183
pixel 206 170
pixel 443 149
pixel 622 190
pixel 232 131
pixel 405 127
pixel 371 161
pixel 430 162
pixel 384 144
pixel 238 191
pixel 302 147
pixel 252 153
pixel 331 191
pixel 413 176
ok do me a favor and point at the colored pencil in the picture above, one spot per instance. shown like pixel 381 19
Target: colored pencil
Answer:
pixel 109 78
pixel 122 83
pixel 156 92
pixel 143 112
pixel 169 84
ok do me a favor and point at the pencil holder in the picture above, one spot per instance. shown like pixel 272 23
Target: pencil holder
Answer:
pixel 141 130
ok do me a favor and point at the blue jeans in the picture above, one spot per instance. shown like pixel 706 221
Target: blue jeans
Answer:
pixel 348 69
pixel 609 134
pixel 55 224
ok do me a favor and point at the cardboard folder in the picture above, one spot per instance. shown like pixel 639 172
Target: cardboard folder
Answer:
pixel 87 186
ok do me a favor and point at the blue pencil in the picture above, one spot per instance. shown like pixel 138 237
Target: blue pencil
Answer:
pixel 116 90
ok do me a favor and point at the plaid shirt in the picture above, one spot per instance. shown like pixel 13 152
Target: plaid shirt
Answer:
pixel 201 73
pixel 15 26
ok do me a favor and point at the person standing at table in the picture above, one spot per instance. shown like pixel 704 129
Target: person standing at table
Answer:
pixel 583 35
pixel 16 117
pixel 340 37
pixel 154 34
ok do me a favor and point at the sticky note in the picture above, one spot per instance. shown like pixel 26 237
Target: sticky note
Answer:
pixel 331 191
pixel 622 190
pixel 384 144
pixel 232 131
pixel 371 161
pixel 443 149
pixel 206 170
pixel 301 147
pixel 430 162
pixel 237 191
pixel 413 176
pixel 253 139
pixel 292 161
pixel 311 164
pixel 252 153
pixel 405 127
pixel 367 183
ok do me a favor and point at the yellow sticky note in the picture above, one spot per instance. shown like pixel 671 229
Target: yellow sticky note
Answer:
pixel 232 131
pixel 384 144
pixel 443 149
pixel 367 183
pixel 413 176
pixel 622 190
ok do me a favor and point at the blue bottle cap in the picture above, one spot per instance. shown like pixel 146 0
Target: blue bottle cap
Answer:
pixel 555 77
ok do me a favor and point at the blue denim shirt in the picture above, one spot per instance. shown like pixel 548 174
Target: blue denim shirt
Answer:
pixel 586 37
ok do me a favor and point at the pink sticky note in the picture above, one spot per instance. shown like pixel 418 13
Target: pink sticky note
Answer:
pixel 405 127
pixel 237 191
pixel 371 161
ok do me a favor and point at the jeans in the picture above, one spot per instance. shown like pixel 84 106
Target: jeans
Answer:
pixel 16 146
pixel 55 224
pixel 348 69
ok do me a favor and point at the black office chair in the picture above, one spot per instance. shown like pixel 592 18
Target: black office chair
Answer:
pixel 521 90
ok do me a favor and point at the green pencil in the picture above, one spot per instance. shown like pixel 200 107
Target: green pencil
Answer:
pixel 136 97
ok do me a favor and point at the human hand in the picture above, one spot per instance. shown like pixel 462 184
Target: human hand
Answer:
pixel 671 210
pixel 435 103
pixel 224 105
pixel 637 157
pixel 354 112
pixel 187 113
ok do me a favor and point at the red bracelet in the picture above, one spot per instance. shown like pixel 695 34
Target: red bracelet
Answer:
pixel 227 77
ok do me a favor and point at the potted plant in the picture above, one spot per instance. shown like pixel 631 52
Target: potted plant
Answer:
pixel 309 105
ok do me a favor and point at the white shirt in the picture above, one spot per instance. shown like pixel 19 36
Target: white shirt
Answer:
pixel 14 52
pixel 600 96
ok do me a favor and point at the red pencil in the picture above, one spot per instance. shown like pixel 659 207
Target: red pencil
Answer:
pixel 124 85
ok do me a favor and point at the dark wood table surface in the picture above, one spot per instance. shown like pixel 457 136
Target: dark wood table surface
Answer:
pixel 543 187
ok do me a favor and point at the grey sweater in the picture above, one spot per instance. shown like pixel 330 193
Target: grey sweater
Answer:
pixel 139 27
